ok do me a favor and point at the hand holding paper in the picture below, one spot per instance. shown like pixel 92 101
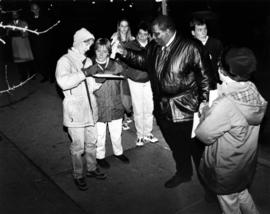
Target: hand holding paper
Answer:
pixel 213 94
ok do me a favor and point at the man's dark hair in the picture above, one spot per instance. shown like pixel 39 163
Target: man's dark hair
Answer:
pixel 143 26
pixel 164 22
pixel 196 21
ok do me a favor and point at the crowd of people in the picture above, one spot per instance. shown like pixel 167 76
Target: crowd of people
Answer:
pixel 156 75
pixel 170 77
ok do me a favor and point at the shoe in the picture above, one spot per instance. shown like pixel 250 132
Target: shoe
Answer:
pixel 96 174
pixel 103 163
pixel 151 139
pixel 176 180
pixel 125 126
pixel 81 184
pixel 122 158
pixel 128 120
pixel 140 142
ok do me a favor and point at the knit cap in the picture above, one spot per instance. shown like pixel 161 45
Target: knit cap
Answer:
pixel 242 63
pixel 81 36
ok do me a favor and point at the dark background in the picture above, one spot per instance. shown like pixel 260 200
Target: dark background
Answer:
pixel 233 22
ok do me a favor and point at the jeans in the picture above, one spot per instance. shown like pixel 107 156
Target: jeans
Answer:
pixel 84 140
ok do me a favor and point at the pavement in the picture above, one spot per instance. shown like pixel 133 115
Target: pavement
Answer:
pixel 35 175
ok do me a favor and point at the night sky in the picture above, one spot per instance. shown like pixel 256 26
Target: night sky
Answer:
pixel 233 22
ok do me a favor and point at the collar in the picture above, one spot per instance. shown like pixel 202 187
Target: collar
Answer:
pixel 233 86
pixel 204 40
pixel 142 44
pixel 170 41
pixel 105 63
pixel 80 56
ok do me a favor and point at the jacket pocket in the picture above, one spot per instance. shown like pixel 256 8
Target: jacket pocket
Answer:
pixel 75 109
pixel 186 102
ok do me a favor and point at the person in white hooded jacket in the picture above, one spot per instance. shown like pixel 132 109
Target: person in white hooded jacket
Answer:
pixel 79 106
pixel 230 130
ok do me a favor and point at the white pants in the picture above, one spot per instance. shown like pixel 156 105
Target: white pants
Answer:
pixel 84 140
pixel 115 130
pixel 142 103
pixel 237 203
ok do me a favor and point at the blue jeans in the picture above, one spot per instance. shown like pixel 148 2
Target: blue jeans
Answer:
pixel 84 140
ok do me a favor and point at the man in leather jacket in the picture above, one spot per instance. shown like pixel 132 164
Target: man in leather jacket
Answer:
pixel 180 84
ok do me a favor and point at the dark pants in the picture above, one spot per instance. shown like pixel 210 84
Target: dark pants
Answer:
pixel 178 137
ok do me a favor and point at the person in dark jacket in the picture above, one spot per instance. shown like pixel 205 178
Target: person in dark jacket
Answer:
pixel 123 36
pixel 141 92
pixel 41 44
pixel 110 104
pixel 213 46
pixel 180 85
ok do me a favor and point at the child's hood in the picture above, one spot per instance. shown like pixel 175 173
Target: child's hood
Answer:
pixel 248 100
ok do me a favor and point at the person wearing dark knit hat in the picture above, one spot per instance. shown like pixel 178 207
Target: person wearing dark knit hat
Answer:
pixel 230 130
pixel 238 63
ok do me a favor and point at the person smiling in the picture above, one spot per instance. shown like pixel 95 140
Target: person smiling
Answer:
pixel 110 106
pixel 178 76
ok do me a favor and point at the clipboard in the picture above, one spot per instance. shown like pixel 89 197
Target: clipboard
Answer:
pixel 109 76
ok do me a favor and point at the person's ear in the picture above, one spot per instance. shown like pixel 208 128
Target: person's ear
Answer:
pixel 193 33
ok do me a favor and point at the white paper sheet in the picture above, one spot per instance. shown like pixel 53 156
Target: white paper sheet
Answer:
pixel 213 94
pixel 108 76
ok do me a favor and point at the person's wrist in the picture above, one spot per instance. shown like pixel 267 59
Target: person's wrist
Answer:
pixel 124 53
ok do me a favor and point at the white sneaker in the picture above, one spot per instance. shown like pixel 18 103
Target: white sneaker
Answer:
pixel 150 138
pixel 140 142
pixel 125 126
pixel 128 120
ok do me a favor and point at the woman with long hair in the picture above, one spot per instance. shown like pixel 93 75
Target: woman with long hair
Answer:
pixel 122 36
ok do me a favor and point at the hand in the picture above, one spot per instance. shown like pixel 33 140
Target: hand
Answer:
pixel 203 108
pixel 117 48
pixel 100 80
pixel 90 71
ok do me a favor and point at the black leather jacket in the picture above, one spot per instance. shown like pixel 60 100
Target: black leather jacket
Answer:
pixel 180 83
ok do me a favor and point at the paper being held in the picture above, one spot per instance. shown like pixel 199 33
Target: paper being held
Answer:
pixel 213 94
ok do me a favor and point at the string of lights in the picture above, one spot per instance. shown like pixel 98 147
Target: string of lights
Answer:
pixel 24 29
pixel 12 88
pixel 1 40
